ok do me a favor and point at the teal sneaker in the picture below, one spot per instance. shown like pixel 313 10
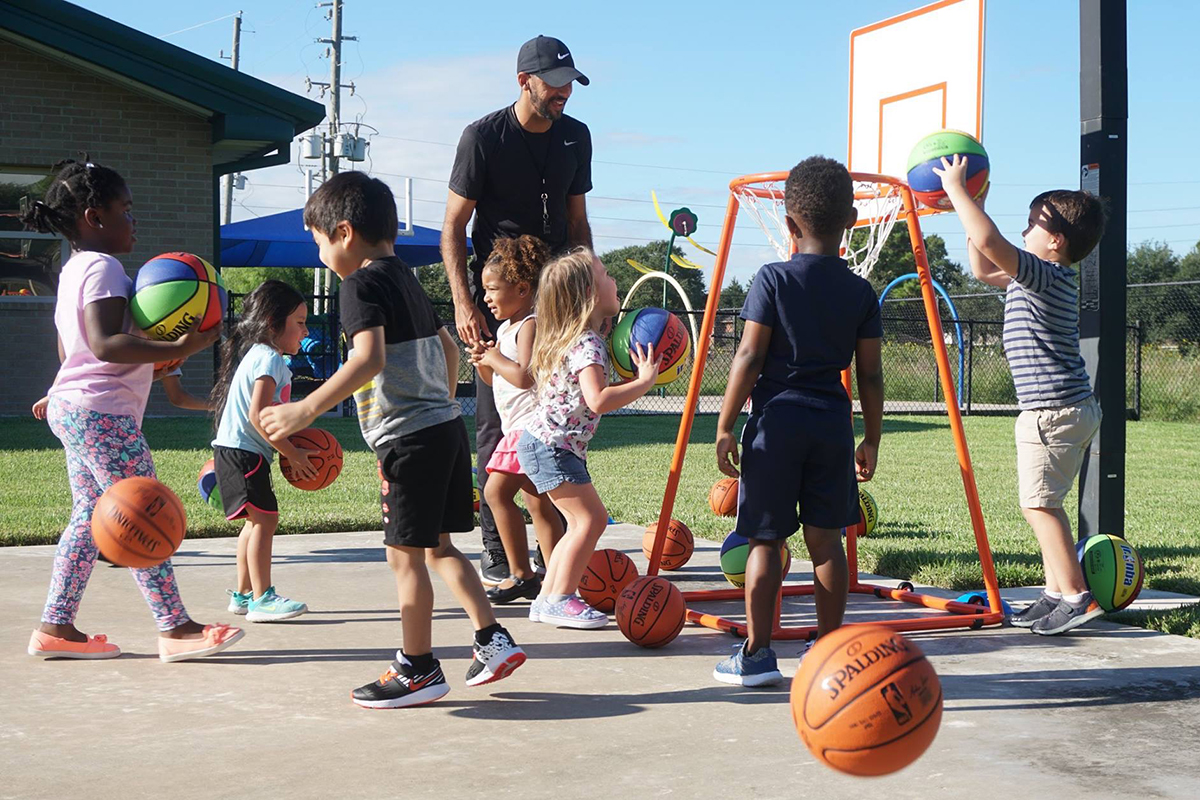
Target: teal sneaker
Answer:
pixel 238 602
pixel 273 608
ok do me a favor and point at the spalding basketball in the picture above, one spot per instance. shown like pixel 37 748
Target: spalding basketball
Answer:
pixel 138 522
pixel 734 552
pixel 1112 570
pixel 174 290
pixel 723 496
pixel 866 701
pixel 206 482
pixel 928 153
pixel 327 459
pixel 651 326
pixel 607 573
pixel 677 548
pixel 651 611
pixel 869 510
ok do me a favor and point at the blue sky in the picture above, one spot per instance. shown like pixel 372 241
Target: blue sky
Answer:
pixel 685 97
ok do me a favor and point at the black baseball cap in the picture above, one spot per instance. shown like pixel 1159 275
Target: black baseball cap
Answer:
pixel 550 60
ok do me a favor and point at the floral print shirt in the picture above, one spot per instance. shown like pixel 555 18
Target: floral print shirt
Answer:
pixel 563 419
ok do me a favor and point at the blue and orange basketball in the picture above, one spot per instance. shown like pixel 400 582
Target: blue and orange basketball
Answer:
pixel 1112 570
pixel 651 326
pixel 174 290
pixel 929 152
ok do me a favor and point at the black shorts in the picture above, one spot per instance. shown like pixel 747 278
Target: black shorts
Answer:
pixel 796 456
pixel 244 479
pixel 426 485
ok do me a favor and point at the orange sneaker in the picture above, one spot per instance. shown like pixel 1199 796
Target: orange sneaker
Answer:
pixel 215 639
pixel 43 645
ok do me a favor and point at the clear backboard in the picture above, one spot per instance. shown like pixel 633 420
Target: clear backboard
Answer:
pixel 908 78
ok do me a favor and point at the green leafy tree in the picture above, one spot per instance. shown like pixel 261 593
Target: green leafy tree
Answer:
pixel 652 255
pixel 243 280
pixel 897 259
pixel 733 295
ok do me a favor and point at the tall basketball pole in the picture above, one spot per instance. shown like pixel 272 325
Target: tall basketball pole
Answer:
pixel 1103 146
pixel 233 59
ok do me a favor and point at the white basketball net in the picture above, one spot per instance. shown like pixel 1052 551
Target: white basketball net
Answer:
pixel 878 207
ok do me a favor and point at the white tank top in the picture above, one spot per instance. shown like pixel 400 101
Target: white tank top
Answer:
pixel 515 405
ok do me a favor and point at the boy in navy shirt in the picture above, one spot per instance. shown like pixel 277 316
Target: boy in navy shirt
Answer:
pixel 805 319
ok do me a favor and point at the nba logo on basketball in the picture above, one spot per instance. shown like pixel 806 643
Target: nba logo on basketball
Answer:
pixel 895 700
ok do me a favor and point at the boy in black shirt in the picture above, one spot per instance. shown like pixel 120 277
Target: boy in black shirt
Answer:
pixel 399 371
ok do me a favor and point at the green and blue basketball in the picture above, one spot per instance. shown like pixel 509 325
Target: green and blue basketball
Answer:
pixel 174 290
pixel 206 482
pixel 651 326
pixel 734 552
pixel 928 154
pixel 1112 570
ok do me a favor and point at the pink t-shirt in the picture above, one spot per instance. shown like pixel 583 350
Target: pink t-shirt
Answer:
pixel 83 379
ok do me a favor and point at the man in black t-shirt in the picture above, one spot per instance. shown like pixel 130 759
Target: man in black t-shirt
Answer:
pixel 522 169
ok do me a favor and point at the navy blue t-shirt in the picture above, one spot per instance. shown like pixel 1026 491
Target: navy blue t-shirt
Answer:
pixel 817 310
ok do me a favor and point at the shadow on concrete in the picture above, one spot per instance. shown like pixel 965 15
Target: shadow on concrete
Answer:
pixel 1071 688
pixel 532 706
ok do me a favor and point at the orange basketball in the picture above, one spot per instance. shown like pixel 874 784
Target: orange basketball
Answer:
pixel 327 459
pixel 651 611
pixel 866 701
pixel 677 548
pixel 138 522
pixel 607 573
pixel 722 497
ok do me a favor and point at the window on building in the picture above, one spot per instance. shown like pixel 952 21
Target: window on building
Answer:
pixel 29 262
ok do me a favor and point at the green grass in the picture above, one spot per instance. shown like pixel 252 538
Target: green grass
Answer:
pixel 924 533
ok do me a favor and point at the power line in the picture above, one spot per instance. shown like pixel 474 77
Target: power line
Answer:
pixel 199 25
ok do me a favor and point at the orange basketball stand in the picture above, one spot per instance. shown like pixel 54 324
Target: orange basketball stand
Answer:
pixel 870 189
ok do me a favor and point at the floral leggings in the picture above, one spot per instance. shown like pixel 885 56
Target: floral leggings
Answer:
pixel 101 450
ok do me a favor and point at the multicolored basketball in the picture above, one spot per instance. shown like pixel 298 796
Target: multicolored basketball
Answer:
pixel 327 459
pixel 174 290
pixel 734 552
pixel 866 701
pixel 607 573
pixel 475 489
pixel 651 611
pixel 206 482
pixel 1112 570
pixel 677 548
pixel 929 152
pixel 138 522
pixel 723 496
pixel 651 326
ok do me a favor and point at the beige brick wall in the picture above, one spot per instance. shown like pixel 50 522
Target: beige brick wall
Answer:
pixel 50 111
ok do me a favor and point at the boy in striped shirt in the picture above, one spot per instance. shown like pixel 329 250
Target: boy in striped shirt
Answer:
pixel 1059 413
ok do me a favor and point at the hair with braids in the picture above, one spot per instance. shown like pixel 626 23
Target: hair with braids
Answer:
pixel 77 186
pixel 566 299
pixel 264 314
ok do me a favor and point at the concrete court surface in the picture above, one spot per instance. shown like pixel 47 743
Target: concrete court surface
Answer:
pixel 1109 711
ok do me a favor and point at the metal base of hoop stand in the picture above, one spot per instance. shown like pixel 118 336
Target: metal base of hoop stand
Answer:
pixel 960 615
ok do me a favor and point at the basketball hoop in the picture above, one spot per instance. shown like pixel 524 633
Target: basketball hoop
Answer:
pixel 876 197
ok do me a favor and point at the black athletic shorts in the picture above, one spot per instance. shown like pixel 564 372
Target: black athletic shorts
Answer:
pixel 244 479
pixel 426 485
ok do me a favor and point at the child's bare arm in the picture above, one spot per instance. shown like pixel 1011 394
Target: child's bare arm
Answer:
pixel 868 363
pixel 260 398
pixel 980 229
pixel 743 372
pixel 180 397
pixel 515 372
pixel 602 397
pixel 450 351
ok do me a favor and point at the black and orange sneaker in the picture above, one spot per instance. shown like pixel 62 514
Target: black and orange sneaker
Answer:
pixel 401 686
pixel 1067 615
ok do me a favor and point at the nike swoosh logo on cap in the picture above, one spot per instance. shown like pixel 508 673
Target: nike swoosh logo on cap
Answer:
pixel 561 56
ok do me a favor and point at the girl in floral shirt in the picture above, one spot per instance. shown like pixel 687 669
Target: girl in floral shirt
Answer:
pixel 570 367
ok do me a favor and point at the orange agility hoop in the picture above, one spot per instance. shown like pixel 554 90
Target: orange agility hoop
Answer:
pixel 882 201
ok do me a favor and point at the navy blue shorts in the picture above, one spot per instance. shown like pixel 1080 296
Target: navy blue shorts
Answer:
pixel 797 467
pixel 549 467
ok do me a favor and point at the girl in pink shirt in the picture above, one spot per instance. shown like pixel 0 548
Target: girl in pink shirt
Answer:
pixel 96 405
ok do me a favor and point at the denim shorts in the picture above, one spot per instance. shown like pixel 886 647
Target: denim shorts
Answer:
pixel 547 467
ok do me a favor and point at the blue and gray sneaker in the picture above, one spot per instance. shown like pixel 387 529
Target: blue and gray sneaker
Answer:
pixel 273 608
pixel 760 669
pixel 238 602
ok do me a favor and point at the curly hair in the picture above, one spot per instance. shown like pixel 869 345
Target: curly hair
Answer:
pixel 1078 215
pixel 820 194
pixel 77 186
pixel 519 259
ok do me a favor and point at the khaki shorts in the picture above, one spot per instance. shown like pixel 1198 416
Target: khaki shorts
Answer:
pixel 1051 445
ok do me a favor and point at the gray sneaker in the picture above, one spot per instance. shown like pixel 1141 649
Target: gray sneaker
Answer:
pixel 1032 613
pixel 570 613
pixel 1066 616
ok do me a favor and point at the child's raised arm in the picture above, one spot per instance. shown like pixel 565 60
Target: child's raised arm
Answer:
pixel 747 366
pixel 981 231
pixel 602 398
pixel 103 321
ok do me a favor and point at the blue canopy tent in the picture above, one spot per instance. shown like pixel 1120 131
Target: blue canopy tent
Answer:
pixel 279 240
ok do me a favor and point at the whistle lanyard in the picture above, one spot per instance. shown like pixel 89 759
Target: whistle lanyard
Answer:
pixel 541 168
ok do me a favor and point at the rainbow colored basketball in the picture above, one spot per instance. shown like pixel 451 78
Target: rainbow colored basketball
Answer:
pixel 174 290
pixel 929 152
pixel 206 482
pixel 1112 570
pixel 651 326
pixel 734 552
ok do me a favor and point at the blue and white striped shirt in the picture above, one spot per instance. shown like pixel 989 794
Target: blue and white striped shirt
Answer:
pixel 1041 335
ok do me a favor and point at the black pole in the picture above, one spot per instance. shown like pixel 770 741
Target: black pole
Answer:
pixel 1103 116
